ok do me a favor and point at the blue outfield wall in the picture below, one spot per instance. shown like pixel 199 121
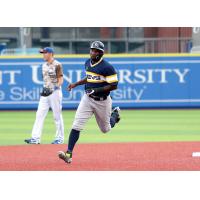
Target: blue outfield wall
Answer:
pixel 144 81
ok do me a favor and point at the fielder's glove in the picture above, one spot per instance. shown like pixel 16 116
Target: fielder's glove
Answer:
pixel 46 92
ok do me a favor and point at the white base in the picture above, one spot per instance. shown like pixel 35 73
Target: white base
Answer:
pixel 196 154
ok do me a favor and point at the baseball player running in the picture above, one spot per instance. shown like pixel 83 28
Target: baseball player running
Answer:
pixel 51 96
pixel 101 78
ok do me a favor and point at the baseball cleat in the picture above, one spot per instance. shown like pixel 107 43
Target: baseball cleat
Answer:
pixel 115 112
pixel 67 157
pixel 57 142
pixel 32 141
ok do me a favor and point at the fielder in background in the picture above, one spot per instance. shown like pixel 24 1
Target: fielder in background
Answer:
pixel 51 97
pixel 101 78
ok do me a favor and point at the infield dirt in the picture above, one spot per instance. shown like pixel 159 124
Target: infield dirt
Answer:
pixel 148 156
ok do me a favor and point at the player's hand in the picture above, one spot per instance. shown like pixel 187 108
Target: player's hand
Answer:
pixel 94 91
pixel 89 91
pixel 71 86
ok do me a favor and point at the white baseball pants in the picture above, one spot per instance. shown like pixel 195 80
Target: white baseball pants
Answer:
pixel 55 102
pixel 88 107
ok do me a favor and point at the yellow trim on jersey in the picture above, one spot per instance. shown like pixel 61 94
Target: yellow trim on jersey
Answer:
pixel 95 78
pixel 95 81
pixel 92 73
pixel 112 78
pixel 96 63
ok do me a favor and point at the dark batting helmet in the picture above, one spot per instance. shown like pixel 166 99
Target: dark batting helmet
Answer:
pixel 97 45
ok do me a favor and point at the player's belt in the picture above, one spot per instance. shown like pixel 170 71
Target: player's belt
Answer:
pixel 96 98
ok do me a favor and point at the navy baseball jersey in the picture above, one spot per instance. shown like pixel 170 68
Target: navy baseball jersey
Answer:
pixel 100 74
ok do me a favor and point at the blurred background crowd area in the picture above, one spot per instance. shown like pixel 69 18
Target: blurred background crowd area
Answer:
pixel 76 40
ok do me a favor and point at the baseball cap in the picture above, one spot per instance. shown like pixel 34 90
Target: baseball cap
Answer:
pixel 47 50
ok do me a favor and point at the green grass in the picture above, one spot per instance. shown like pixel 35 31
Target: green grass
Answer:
pixel 136 125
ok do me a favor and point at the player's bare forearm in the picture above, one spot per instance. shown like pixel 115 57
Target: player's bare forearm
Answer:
pixel 96 91
pixel 81 82
pixel 106 88
pixel 73 85
pixel 109 88
pixel 60 81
